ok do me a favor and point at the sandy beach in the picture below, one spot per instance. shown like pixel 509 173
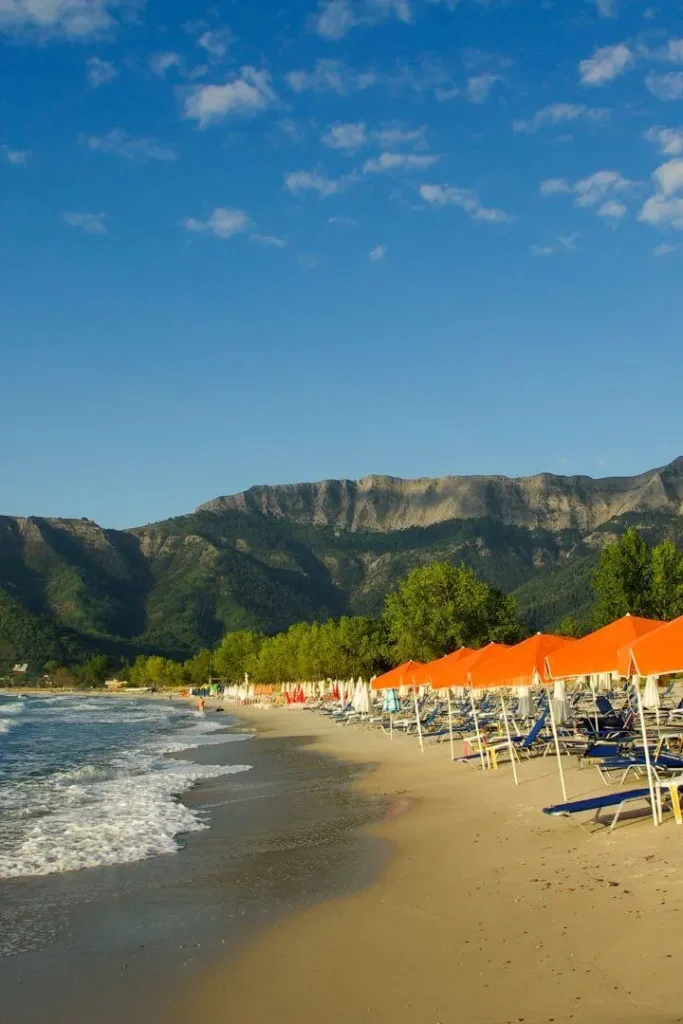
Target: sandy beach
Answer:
pixel 486 911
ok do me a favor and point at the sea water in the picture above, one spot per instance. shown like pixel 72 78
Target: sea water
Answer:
pixel 88 781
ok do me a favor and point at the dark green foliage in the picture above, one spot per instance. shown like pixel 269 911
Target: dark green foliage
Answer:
pixel 441 607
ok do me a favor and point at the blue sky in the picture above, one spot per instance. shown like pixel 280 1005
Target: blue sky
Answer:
pixel 266 242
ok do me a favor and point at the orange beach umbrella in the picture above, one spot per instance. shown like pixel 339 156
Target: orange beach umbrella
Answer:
pixel 599 651
pixel 521 665
pixel 441 671
pixel 402 675
pixel 657 653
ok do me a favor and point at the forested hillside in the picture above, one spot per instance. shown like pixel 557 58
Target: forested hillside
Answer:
pixel 246 563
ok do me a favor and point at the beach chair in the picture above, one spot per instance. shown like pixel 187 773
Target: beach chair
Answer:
pixel 606 801
pixel 521 745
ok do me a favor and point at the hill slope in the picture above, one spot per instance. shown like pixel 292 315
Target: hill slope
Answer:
pixel 275 555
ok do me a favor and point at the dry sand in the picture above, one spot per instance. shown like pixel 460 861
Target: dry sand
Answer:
pixel 487 911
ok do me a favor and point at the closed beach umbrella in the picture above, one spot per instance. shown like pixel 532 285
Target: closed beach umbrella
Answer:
pixel 651 694
pixel 526 703
pixel 559 702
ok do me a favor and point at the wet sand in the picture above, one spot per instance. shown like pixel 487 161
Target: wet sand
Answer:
pixel 486 911
pixel 125 943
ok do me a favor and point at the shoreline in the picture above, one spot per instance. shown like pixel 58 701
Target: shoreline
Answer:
pixel 484 910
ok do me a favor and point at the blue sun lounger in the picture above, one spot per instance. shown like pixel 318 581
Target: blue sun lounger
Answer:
pixel 599 803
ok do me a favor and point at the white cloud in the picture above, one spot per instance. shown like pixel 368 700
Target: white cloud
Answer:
pixel 216 42
pixel 331 76
pixel 606 64
pixel 314 181
pixel 660 211
pixel 595 190
pixel 560 113
pixel 268 241
pixel 223 223
pixel 91 223
pixel 244 96
pixel 669 140
pixel 99 71
pixel 160 63
pixel 377 254
pixel 666 87
pixel 562 243
pixel 554 186
pixel 669 177
pixel 336 18
pixel 75 20
pixel 664 249
pixel 399 135
pixel 387 162
pixel 672 53
pixel 120 143
pixel 479 87
pixel 606 8
pixel 16 156
pixel 350 136
pixel 613 210
pixel 464 198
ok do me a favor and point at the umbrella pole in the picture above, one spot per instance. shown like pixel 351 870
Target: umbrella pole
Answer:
pixel 417 719
pixel 509 739
pixel 646 749
pixel 391 726
pixel 450 722
pixel 556 738
pixel 476 729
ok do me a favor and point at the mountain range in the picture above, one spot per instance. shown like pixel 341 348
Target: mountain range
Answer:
pixel 273 555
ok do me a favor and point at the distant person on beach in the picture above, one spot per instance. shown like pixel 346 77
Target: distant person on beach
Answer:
pixel 201 703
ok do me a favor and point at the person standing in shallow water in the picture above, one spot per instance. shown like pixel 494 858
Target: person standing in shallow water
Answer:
pixel 201 704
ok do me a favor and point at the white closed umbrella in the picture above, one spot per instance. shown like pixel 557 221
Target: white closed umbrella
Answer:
pixel 363 704
pixel 651 694
pixel 526 704
pixel 559 699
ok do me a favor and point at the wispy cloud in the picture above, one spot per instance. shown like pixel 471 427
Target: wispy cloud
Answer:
pixel 246 94
pixel 268 241
pixel 99 71
pixel 388 162
pixel 334 19
pixel 16 156
pixel 377 254
pixel 606 64
pixel 347 136
pixel 139 150
pixel 669 140
pixel 561 113
pixel 665 249
pixel 561 243
pixel 600 189
pixel 216 42
pixel 91 223
pixel 466 199
pixel 160 63
pixel 222 223
pixel 606 8
pixel 395 135
pixel 479 87
pixel 667 87
pixel 331 76
pixel 316 181
pixel 76 20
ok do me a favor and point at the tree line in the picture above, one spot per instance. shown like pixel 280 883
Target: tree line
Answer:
pixel 432 611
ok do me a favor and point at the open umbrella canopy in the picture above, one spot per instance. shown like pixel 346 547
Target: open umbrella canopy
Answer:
pixel 658 653
pixel 599 651
pixel 402 675
pixel 521 665
pixel 439 674
pixel 463 668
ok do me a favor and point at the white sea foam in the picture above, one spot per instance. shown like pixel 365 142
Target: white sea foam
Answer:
pixel 120 809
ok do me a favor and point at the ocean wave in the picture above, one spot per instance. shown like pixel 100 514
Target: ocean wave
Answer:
pixel 119 806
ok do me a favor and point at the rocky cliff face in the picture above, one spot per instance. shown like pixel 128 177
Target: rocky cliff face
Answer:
pixel 388 503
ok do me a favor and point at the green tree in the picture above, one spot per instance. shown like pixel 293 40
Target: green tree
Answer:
pixel 667 581
pixel 236 651
pixel 571 627
pixel 623 579
pixel 441 607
